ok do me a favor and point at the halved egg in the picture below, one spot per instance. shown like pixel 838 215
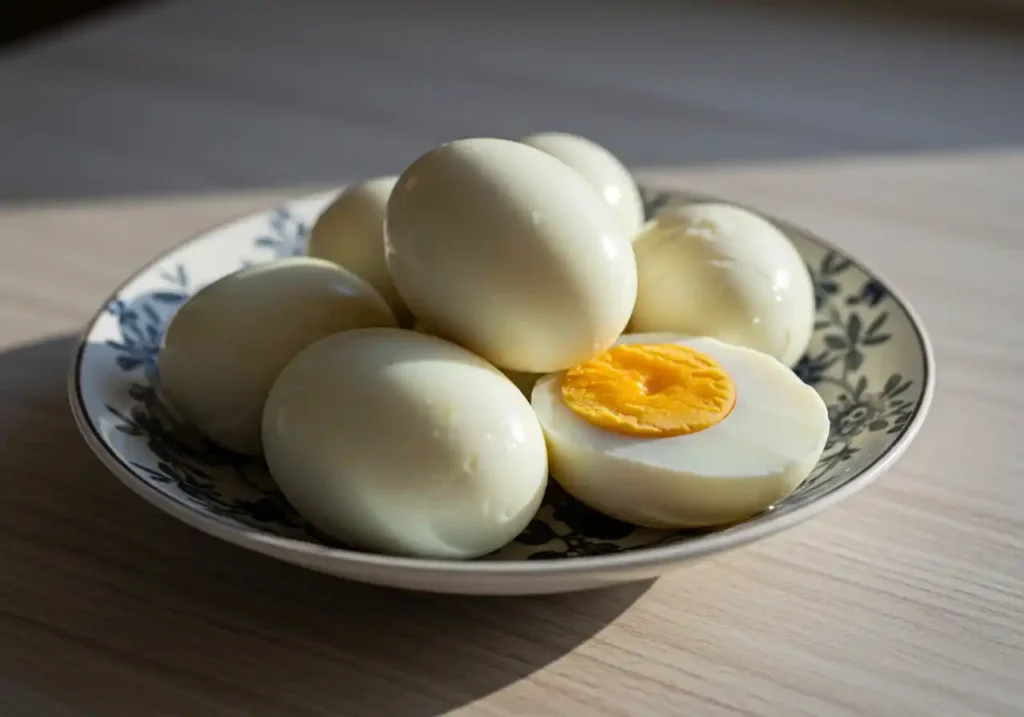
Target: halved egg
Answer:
pixel 665 431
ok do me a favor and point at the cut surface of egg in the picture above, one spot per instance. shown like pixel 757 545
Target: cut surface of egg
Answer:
pixel 226 345
pixel 712 269
pixel 602 169
pixel 350 233
pixel 510 253
pixel 666 431
pixel 402 443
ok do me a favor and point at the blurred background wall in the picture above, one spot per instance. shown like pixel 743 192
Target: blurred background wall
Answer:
pixel 187 96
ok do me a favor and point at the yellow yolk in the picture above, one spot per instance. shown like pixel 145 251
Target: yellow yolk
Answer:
pixel 652 391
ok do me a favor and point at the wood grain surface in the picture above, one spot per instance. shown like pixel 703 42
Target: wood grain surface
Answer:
pixel 906 600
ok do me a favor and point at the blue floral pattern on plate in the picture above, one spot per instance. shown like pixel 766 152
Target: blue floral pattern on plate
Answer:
pixel 866 359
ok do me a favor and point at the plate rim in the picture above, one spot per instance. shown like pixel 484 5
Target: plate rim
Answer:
pixel 291 549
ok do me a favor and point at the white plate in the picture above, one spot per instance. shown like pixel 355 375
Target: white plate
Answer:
pixel 869 359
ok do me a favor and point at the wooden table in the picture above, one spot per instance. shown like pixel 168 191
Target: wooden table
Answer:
pixel 908 599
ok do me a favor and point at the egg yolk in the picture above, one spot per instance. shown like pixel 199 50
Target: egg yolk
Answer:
pixel 652 391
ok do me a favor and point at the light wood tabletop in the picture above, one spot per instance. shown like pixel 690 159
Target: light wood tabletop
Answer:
pixel 907 599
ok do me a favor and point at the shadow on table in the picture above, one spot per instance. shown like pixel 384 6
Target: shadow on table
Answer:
pixel 109 607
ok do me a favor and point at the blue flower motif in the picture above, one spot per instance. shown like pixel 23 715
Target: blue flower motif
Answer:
pixel 287 235
pixel 141 321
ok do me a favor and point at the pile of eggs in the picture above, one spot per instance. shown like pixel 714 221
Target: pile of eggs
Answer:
pixel 497 314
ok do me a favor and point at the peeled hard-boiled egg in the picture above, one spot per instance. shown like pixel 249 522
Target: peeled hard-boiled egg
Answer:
pixel 403 443
pixel 599 167
pixel 671 432
pixel 510 253
pixel 225 347
pixel 350 233
pixel 717 270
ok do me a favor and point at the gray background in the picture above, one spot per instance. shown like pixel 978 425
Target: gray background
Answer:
pixel 194 95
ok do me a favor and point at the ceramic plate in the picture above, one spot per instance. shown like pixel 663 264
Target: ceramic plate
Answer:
pixel 869 359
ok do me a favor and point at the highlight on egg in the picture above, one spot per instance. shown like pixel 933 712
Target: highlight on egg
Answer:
pixel 226 345
pixel 350 233
pixel 601 169
pixel 714 269
pixel 510 253
pixel 666 431
pixel 403 443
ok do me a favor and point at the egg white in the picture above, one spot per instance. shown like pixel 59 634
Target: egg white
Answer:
pixel 398 442
pixel 757 455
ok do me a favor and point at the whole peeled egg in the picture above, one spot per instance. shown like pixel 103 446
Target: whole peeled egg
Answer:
pixel 601 168
pixel 350 233
pixel 713 269
pixel 398 442
pixel 226 345
pixel 669 431
pixel 509 252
